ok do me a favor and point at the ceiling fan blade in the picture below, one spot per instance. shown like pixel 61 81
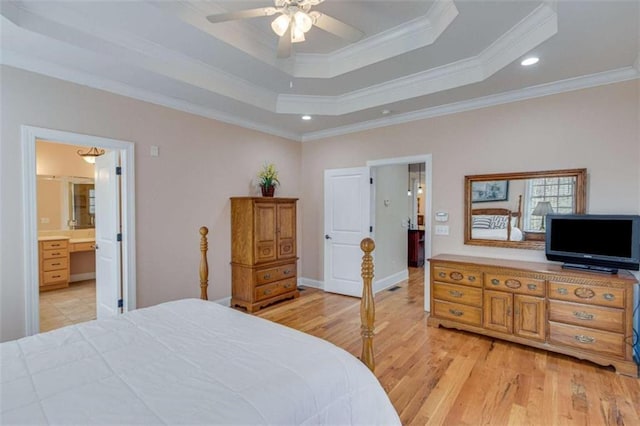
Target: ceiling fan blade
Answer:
pixel 284 44
pixel 336 27
pixel 242 14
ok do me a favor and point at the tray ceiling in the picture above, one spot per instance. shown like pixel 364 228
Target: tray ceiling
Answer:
pixel 417 58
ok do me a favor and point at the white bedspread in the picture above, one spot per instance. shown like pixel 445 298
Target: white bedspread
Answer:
pixel 496 234
pixel 186 362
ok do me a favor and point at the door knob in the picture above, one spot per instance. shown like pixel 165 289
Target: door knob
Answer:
pixel 95 246
pixel 327 237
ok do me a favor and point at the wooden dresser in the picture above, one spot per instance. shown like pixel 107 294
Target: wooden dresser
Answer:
pixel 263 251
pixel 53 255
pixel 585 315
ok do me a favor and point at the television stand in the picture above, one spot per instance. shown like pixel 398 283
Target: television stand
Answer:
pixel 590 268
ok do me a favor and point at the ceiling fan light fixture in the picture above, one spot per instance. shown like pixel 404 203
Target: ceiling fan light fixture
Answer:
pixel 297 35
pixel 303 21
pixel 280 24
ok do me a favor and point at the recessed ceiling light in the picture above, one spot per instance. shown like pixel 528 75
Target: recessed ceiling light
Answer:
pixel 306 117
pixel 386 111
pixel 529 61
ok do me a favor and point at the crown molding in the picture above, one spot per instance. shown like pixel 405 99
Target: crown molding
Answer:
pixel 538 26
pixel 572 84
pixel 417 33
pixel 51 69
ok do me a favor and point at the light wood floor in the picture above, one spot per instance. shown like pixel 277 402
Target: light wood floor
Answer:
pixel 440 376
pixel 67 306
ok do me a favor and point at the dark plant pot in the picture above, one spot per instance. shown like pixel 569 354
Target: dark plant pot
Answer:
pixel 267 191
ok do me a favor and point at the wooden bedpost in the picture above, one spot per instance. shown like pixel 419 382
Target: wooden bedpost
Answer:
pixel 204 266
pixel 367 307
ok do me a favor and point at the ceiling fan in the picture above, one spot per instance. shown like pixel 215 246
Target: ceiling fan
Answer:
pixel 294 20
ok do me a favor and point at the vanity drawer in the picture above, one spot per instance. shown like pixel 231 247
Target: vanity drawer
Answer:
pixel 592 295
pixel 608 319
pixel 55 264
pixel 457 276
pixel 521 285
pixel 269 275
pixel 88 246
pixel 274 289
pixel 458 294
pixel 587 339
pixel 55 276
pixel 56 244
pixel 457 312
pixel 54 254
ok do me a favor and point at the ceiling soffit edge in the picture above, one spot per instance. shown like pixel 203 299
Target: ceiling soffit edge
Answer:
pixel 538 26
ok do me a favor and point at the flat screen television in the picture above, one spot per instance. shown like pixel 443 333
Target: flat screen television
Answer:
pixel 600 243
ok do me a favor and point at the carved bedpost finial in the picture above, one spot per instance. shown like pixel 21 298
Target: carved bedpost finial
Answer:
pixel 367 307
pixel 204 266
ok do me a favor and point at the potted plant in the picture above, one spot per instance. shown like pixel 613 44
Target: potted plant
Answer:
pixel 268 179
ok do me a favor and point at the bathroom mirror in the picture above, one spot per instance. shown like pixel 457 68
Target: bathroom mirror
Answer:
pixel 65 202
pixel 508 209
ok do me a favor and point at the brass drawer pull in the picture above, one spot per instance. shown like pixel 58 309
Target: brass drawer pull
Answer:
pixel 267 292
pixel 532 287
pixel 585 339
pixel 455 293
pixel 266 276
pixel 442 274
pixel 608 296
pixel 286 271
pixel 472 278
pixel 55 245
pixel 456 312
pixel 55 276
pixel 457 276
pixel 583 315
pixel 495 281
pixel 562 290
pixel 287 285
pixel 584 293
pixel 55 254
pixel 56 264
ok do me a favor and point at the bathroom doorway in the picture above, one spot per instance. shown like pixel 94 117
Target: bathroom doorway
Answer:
pixel 79 239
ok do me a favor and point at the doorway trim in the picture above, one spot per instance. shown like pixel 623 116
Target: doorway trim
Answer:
pixel 29 210
pixel 427 160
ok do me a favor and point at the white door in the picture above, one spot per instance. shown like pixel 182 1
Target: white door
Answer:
pixel 108 277
pixel 346 222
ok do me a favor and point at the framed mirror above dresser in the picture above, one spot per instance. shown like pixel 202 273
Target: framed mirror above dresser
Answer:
pixel 509 209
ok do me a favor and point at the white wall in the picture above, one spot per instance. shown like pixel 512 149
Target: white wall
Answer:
pixel 202 163
pixel 390 236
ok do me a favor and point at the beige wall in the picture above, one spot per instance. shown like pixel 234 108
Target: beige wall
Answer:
pixel 59 159
pixel 202 163
pixel 594 128
pixel 50 195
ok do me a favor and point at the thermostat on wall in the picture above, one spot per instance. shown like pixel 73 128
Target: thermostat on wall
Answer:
pixel 442 216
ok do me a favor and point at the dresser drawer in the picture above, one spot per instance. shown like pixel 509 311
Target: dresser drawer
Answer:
pixel 57 244
pixel 270 290
pixel 587 339
pixel 592 295
pixel 54 254
pixel 55 276
pixel 458 294
pixel 457 312
pixel 55 264
pixel 269 275
pixel 457 276
pixel 521 285
pixel 607 319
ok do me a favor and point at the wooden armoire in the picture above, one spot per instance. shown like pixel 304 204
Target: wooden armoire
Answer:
pixel 263 251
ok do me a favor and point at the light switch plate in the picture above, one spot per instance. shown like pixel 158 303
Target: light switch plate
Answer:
pixel 154 151
pixel 442 230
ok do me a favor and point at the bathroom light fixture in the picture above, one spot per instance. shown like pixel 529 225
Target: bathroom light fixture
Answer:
pixel 420 178
pixel 306 117
pixel 531 60
pixel 408 180
pixel 90 156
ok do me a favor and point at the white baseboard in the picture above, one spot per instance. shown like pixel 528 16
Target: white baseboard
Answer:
pixel 82 277
pixel 308 282
pixel 390 281
pixel 225 301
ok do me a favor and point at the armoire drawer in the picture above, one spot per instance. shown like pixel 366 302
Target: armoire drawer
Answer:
pixel 269 275
pixel 274 289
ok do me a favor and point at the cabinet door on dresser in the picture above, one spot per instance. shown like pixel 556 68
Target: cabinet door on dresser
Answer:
pixel 265 232
pixel 498 307
pixel 286 233
pixel 529 317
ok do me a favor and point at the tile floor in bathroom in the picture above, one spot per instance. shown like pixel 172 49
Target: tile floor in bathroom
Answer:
pixel 67 306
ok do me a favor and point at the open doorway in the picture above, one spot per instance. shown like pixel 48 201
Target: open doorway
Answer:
pixel 113 217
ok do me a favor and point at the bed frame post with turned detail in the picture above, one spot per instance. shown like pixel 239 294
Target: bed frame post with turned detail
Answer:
pixel 367 306
pixel 204 266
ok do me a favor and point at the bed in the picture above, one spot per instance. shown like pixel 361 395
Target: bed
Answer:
pixel 187 361
pixel 497 223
